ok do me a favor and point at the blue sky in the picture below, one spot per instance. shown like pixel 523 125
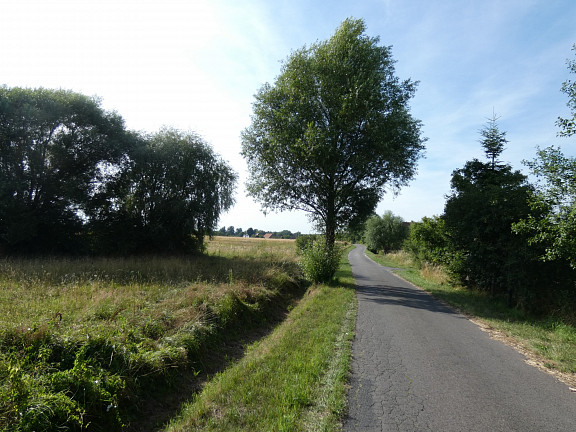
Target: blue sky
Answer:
pixel 196 65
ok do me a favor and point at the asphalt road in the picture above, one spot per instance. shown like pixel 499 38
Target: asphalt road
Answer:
pixel 419 366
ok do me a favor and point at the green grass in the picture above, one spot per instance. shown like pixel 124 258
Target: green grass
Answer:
pixel 294 379
pixel 551 341
pixel 84 343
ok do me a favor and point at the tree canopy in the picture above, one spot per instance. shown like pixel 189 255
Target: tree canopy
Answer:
pixel 55 146
pixel 333 131
pixel 74 180
pixel 552 224
pixel 486 199
pixel 171 196
pixel 386 233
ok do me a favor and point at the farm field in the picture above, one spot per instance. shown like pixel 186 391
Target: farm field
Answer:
pixel 86 344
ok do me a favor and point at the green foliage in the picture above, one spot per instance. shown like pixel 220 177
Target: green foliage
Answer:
pixel 305 241
pixel 552 223
pixel 169 198
pixel 428 241
pixel 333 131
pixel 386 233
pixel 486 199
pixel 57 148
pixel 568 125
pixel 319 261
pixel 73 180
pixel 493 142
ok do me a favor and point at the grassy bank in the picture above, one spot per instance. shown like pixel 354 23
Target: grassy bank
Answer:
pixel 84 343
pixel 547 342
pixel 294 379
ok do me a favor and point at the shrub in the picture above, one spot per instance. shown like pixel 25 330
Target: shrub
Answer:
pixel 428 242
pixel 305 241
pixel 320 262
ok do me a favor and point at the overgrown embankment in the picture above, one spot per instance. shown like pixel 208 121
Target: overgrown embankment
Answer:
pixel 84 343
pixel 292 380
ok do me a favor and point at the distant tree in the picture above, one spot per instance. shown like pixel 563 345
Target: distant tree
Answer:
pixel 428 241
pixel 486 199
pixel 285 234
pixel 57 150
pixel 238 232
pixel 386 233
pixel 333 131
pixel 170 198
pixel 222 231
pixel 230 231
pixel 250 232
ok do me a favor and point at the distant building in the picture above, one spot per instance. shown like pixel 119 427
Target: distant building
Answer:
pixel 268 235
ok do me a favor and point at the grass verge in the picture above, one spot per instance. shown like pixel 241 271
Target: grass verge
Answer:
pixel 86 343
pixel 546 342
pixel 292 380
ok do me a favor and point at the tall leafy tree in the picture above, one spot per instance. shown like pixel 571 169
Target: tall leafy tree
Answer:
pixel 552 225
pixel 169 199
pixel 386 233
pixel 486 199
pixel 333 131
pixel 57 148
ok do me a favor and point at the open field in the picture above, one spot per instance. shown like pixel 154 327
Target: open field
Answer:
pixel 85 342
pixel 547 342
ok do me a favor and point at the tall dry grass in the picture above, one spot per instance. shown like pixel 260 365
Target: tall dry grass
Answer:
pixel 113 324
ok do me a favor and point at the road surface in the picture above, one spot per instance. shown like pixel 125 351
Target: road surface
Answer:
pixel 419 366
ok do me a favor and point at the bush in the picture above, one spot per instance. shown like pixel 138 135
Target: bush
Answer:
pixel 319 262
pixel 428 242
pixel 305 241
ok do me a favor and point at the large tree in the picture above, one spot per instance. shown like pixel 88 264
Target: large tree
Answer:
pixel 170 197
pixel 553 222
pixel 486 199
pixel 56 150
pixel 333 131
pixel 386 233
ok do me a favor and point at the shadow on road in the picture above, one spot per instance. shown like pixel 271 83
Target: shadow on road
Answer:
pixel 388 293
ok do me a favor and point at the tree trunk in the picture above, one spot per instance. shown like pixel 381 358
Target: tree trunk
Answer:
pixel 330 223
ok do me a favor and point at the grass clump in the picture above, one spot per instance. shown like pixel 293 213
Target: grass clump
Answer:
pixel 294 379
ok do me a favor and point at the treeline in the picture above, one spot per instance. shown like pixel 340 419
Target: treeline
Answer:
pixel 252 232
pixel 499 233
pixel 74 180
